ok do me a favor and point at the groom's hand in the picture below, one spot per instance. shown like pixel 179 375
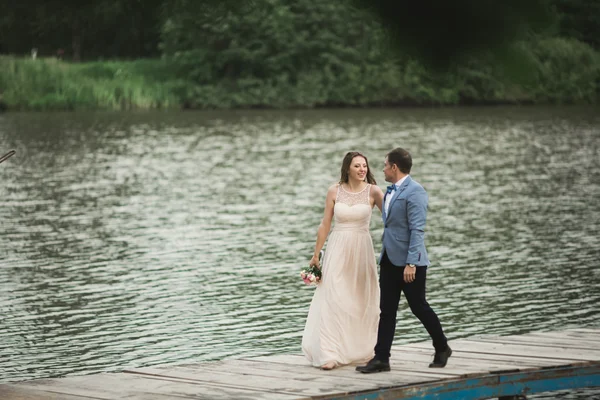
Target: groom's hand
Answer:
pixel 410 271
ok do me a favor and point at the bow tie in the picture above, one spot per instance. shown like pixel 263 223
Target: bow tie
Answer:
pixel 390 189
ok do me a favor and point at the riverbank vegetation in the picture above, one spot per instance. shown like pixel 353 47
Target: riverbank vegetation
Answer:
pixel 278 53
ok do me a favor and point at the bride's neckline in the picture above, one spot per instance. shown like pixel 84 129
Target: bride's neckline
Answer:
pixel 347 191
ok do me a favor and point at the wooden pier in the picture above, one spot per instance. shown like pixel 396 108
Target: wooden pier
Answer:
pixel 506 367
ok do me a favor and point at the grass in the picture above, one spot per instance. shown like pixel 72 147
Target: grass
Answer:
pixel 51 84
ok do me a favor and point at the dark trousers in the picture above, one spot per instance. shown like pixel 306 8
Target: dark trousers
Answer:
pixel 391 283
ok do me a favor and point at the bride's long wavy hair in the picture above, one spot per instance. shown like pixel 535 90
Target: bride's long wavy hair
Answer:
pixel 346 167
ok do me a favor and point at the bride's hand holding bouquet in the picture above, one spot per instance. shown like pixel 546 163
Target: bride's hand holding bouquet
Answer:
pixel 311 275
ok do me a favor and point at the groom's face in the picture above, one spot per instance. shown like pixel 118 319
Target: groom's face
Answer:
pixel 388 171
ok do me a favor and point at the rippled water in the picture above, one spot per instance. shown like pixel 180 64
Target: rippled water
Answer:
pixel 133 239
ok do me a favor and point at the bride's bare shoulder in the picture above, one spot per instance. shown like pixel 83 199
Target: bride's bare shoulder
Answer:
pixel 333 189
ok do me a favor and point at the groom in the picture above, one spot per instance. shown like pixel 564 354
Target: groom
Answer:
pixel 403 263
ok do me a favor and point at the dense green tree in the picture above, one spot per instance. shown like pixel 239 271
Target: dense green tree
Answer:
pixel 433 31
pixel 240 53
pixel 268 38
pixel 579 19
pixel 441 32
pixel 90 29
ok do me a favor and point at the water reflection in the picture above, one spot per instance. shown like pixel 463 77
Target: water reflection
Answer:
pixel 134 239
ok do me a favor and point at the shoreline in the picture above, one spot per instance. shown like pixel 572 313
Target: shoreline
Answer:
pixel 4 109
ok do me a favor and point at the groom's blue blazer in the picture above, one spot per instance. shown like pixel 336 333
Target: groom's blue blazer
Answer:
pixel 404 225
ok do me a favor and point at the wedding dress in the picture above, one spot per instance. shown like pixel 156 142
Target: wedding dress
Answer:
pixel 341 326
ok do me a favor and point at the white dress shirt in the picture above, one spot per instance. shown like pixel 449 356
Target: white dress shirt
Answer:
pixel 388 197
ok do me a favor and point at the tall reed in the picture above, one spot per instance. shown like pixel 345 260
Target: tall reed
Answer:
pixel 51 84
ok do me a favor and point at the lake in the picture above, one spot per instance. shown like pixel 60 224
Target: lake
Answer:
pixel 166 237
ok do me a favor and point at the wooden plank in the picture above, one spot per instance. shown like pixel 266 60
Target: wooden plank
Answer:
pixel 585 330
pixel 459 365
pixel 567 336
pixel 307 388
pixel 300 360
pixel 575 336
pixel 17 392
pixel 309 371
pixel 491 357
pixel 410 362
pixel 540 342
pixel 135 387
pixel 516 350
pixel 291 359
pixel 407 369
pixel 465 363
pixel 566 339
pixel 346 374
pixel 559 352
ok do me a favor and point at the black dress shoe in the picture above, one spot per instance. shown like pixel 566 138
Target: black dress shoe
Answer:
pixel 374 365
pixel 441 358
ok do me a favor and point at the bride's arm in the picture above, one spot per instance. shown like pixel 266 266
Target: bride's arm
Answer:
pixel 325 225
pixel 377 196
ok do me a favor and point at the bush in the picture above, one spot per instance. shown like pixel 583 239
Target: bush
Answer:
pixel 568 71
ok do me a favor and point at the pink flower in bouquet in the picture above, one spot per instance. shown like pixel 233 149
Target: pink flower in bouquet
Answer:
pixel 311 275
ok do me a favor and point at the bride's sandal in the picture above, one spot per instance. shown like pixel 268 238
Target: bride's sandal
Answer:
pixel 329 366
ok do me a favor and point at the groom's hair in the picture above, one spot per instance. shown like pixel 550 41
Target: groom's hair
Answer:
pixel 401 158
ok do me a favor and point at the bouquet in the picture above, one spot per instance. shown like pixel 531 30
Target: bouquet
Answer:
pixel 311 275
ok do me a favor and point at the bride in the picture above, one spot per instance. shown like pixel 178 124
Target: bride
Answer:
pixel 341 327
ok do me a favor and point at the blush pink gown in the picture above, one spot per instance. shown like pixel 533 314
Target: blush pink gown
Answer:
pixel 342 321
